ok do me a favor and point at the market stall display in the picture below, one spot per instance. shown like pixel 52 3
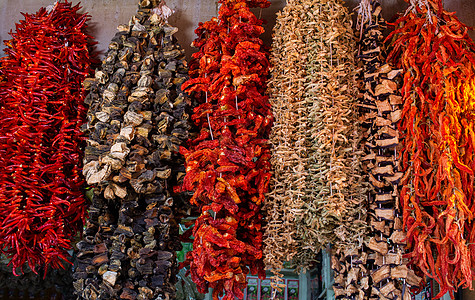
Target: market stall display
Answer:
pixel 137 120
pixel 42 206
pixel 437 136
pixel 227 165
pixel 380 105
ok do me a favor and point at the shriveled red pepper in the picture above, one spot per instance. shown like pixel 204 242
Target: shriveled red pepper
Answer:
pixel 438 58
pixel 227 164
pixel 42 206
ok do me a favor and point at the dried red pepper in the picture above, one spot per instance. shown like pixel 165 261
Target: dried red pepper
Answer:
pixel 228 163
pixel 42 206
pixel 437 56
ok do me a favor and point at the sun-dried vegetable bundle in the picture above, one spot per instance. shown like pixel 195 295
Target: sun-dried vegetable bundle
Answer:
pixel 380 105
pixel 228 163
pixel 334 194
pixel 437 134
pixel 136 122
pixel 333 210
pixel 288 137
pixel 42 205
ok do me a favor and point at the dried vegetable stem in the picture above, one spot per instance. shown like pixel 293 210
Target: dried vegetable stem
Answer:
pixel 42 206
pixel 228 163
pixel 137 121
pixel 381 104
pixel 334 210
pixel 437 134
pixel 333 207
pixel 288 138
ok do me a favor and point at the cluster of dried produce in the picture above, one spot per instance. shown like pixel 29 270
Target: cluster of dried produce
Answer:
pixel 228 163
pixel 381 111
pixel 42 205
pixel 318 196
pixel 137 121
pixel 333 209
pixel 288 136
pixel 437 134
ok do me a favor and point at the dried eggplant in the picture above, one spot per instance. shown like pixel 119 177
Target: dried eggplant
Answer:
pixel 137 120
pixel 381 162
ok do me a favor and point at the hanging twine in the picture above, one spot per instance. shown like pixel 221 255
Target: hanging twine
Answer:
pixel 162 10
pixel 421 4
pixel 50 8
pixel 364 15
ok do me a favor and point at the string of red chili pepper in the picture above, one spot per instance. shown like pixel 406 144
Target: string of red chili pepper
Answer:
pixel 438 56
pixel 228 163
pixel 42 206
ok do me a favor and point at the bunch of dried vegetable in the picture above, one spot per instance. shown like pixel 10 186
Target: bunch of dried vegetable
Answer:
pixel 136 122
pixel 333 210
pixel 437 135
pixel 42 206
pixel 287 138
pixel 318 193
pixel 228 163
pixel 380 105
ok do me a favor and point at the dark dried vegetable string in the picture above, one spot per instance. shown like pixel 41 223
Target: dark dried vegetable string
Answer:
pixel 380 104
pixel 42 206
pixel 136 122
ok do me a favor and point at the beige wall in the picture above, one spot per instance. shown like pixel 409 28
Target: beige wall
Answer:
pixel 107 14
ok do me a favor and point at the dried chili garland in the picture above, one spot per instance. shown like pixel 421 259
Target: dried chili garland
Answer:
pixel 433 48
pixel 136 122
pixel 228 163
pixel 380 105
pixel 42 206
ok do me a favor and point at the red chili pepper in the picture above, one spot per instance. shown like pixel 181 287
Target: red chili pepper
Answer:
pixel 438 58
pixel 41 202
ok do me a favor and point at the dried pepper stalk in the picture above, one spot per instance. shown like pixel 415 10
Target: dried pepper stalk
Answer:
pixel 288 136
pixel 228 163
pixel 380 105
pixel 437 134
pixel 42 205
pixel 137 121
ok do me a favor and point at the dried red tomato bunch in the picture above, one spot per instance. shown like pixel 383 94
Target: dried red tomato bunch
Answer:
pixel 228 163
pixel 42 206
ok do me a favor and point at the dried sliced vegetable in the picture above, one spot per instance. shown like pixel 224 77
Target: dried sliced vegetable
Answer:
pixel 334 210
pixel 380 105
pixel 287 138
pixel 437 135
pixel 42 206
pixel 137 121
pixel 227 165
pixel 318 196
